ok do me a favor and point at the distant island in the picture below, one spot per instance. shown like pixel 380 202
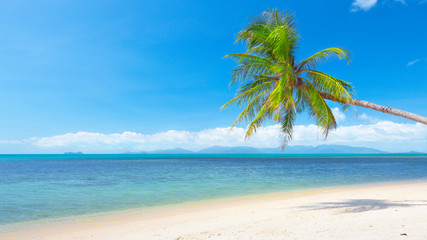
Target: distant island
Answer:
pixel 73 153
pixel 297 149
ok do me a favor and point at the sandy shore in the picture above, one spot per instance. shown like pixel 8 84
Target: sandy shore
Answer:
pixel 388 211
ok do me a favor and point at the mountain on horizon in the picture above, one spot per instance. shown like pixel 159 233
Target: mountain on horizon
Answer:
pixel 171 151
pixel 297 149
pixel 225 150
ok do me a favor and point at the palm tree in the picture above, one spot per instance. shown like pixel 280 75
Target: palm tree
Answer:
pixel 275 86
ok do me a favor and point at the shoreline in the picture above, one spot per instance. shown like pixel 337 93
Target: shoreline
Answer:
pixel 197 203
pixel 98 222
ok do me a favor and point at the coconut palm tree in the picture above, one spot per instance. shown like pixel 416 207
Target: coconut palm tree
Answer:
pixel 275 86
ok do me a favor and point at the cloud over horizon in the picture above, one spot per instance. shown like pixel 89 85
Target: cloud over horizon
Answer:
pixel 383 135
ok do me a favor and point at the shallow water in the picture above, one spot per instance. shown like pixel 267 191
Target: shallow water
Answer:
pixel 34 187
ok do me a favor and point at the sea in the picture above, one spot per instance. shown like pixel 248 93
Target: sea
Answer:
pixel 36 187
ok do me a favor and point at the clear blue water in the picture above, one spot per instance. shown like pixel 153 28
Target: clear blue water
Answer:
pixel 36 187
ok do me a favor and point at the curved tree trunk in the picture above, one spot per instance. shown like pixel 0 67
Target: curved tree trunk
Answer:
pixel 384 109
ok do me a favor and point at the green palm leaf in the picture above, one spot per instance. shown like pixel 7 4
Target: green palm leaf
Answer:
pixel 274 86
pixel 323 56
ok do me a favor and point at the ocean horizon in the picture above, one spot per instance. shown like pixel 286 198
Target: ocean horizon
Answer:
pixel 44 186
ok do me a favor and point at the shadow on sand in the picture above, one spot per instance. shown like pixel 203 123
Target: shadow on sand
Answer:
pixel 363 205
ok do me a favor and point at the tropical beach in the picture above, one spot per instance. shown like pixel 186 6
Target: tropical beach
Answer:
pixel 175 120
pixel 385 211
pixel 200 197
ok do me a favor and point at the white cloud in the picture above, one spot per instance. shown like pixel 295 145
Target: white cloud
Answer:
pixel 131 141
pixel 364 116
pixel 339 116
pixel 401 1
pixel 384 135
pixel 413 62
pixel 363 5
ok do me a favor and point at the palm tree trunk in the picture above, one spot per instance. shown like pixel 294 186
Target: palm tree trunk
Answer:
pixel 384 109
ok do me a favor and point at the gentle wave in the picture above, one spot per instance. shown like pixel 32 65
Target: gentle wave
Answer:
pixel 36 187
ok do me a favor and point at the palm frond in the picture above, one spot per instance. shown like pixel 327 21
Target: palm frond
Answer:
pixel 319 109
pixel 273 86
pixel 249 66
pixel 323 56
pixel 287 126
pixel 250 110
pixel 250 90
pixel 257 121
pixel 340 89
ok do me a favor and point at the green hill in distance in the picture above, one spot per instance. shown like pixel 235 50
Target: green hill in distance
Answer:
pixel 297 149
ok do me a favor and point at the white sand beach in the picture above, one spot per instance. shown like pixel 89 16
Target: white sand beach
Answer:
pixel 386 211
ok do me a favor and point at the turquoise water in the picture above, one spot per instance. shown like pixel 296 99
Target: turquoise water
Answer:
pixel 34 187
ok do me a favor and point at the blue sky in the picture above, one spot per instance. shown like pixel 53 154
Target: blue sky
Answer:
pixel 149 67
